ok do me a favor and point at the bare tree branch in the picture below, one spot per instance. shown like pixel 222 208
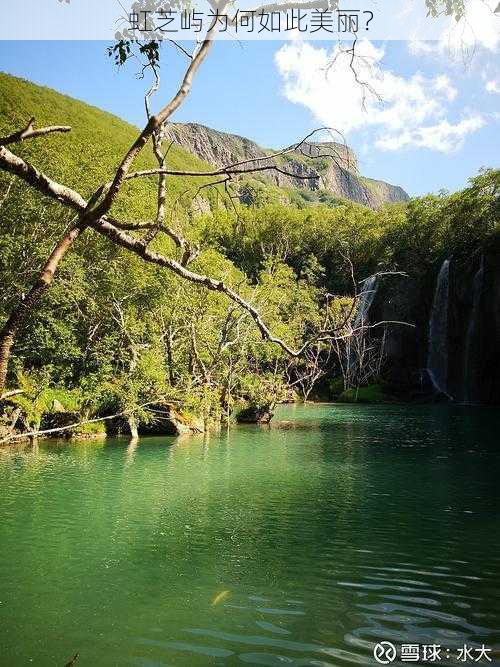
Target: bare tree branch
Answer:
pixel 229 171
pixel 354 57
pixel 15 165
pixel 30 132
pixel 156 121
pixel 73 199
pixel 95 213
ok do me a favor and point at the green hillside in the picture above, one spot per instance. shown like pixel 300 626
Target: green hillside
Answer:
pixel 89 154
pixel 114 333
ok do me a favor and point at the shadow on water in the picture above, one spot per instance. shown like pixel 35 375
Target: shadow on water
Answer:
pixel 301 544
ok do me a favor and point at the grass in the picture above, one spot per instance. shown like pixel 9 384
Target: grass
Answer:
pixel 90 153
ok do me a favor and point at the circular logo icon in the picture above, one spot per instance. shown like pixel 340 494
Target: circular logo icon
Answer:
pixel 384 653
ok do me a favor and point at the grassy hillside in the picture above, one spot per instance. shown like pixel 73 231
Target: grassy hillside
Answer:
pixel 89 154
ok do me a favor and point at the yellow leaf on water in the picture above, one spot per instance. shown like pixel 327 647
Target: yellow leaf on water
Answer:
pixel 220 597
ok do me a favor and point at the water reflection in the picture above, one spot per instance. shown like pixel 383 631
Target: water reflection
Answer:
pixel 301 545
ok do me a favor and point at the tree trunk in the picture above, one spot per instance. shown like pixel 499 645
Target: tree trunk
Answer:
pixel 133 426
pixel 170 357
pixel 17 317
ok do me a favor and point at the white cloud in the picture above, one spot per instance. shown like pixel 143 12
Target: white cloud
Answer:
pixel 443 136
pixel 479 27
pixel 419 47
pixel 410 112
pixel 493 86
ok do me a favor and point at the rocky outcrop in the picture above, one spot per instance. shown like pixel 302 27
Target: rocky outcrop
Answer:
pixel 254 415
pixel 329 166
pixel 463 355
pixel 170 421
pixel 384 193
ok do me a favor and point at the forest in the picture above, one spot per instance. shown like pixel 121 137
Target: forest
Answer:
pixel 117 336
pixel 249 389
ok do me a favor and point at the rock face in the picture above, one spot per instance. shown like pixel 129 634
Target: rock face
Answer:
pixel 463 354
pixel 169 421
pixel 255 415
pixel 329 166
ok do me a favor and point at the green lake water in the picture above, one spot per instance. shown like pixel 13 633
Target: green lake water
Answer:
pixel 350 526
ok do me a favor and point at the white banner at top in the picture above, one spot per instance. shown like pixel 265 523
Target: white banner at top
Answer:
pixel 177 20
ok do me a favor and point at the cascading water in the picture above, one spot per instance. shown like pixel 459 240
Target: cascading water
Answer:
pixel 361 320
pixel 437 358
pixel 471 341
pixel 368 294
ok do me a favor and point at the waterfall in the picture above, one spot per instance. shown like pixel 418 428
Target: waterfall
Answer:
pixel 361 319
pixel 366 299
pixel 437 357
pixel 471 342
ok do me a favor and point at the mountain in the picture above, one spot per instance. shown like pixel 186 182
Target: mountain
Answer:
pixel 89 154
pixel 330 167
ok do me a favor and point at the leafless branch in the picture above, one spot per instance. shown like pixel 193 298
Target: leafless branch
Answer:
pixel 104 226
pixel 155 122
pixel 180 48
pixel 29 132
pixel 354 57
pixel 229 171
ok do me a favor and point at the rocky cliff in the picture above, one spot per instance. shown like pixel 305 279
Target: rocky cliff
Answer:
pixel 460 360
pixel 328 166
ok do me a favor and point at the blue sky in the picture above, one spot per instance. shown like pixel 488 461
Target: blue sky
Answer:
pixel 437 126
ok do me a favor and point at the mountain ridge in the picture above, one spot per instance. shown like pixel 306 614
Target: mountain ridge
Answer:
pixel 99 138
pixel 329 166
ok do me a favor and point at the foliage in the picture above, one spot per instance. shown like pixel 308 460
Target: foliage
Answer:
pixel 373 393
pixel 438 226
pixel 38 398
pixel 454 8
pixel 116 334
